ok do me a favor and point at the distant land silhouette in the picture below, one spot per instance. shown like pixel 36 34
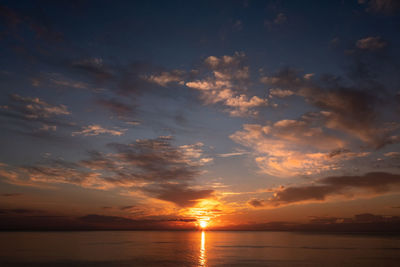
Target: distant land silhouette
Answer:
pixel 29 220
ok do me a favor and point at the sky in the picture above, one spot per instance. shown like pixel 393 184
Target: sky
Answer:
pixel 166 114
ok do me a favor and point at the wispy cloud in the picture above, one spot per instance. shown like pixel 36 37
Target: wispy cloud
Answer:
pixel 232 154
pixel 371 43
pixel 167 77
pixel 33 115
pixel 95 129
pixel 34 107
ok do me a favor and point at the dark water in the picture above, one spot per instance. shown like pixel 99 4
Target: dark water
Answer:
pixel 171 248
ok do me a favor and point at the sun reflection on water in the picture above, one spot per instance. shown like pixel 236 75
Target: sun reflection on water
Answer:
pixel 202 258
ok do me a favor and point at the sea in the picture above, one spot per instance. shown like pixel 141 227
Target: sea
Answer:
pixel 197 248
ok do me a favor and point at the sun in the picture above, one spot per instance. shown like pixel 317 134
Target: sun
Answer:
pixel 203 224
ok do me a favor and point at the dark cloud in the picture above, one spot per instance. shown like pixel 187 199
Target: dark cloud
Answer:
pixel 11 195
pixel 153 166
pixel 36 22
pixel 376 183
pixel 126 80
pixel 323 220
pixel 153 160
pixel 386 7
pixel 337 152
pixel 94 67
pixel 33 108
pixel 157 161
pixel 30 33
pixel 19 211
pixel 130 81
pixel 127 207
pixel 353 109
pixel 9 17
pixel 117 107
pixel 33 116
pixel 25 219
pixel 366 222
pixel 256 203
pixel 116 222
pixel 280 18
pixel 103 219
pixel 180 194
pixel 100 219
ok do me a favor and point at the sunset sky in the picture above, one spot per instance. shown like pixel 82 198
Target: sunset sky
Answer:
pixel 170 113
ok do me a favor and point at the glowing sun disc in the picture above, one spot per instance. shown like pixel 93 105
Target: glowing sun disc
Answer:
pixel 203 224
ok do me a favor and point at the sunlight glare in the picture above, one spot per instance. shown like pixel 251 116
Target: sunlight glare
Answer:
pixel 203 249
pixel 203 224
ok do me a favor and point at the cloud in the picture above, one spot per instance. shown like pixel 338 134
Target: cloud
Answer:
pixel 354 110
pixel 225 84
pixel 118 222
pixel 371 43
pixel 11 195
pixel 117 107
pixel 95 67
pixel 95 129
pixel 351 115
pixel 61 173
pixel 256 203
pixel 151 166
pixel 33 116
pixel 28 219
pixel 18 23
pixel 47 128
pixel 165 78
pixel 223 80
pixel 19 211
pixel 291 147
pixel 280 19
pixel 286 78
pixel 124 80
pixel 127 207
pixel 373 183
pixel 34 108
pixel 60 80
pixel 392 154
pixel 276 92
pixel 238 25
pixel 351 111
pixel 179 193
pixel 386 7
pixel 232 154
pixel 242 104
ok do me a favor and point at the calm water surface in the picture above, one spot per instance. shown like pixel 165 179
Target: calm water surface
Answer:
pixel 175 248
